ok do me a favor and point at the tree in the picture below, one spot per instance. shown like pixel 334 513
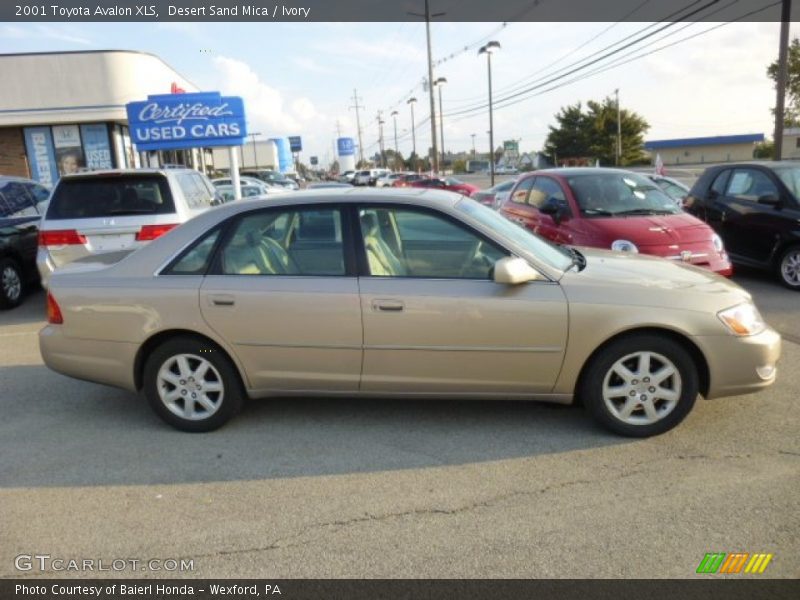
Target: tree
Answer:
pixel 571 138
pixel 591 134
pixel 459 166
pixel 791 115
pixel 764 150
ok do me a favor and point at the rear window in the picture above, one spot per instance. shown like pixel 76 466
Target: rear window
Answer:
pixel 113 196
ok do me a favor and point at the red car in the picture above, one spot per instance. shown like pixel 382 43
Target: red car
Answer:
pixel 450 184
pixel 407 180
pixel 614 209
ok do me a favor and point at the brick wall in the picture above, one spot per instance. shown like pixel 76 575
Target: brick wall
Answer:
pixel 12 152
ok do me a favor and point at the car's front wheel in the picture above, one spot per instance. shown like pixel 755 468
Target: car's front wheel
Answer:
pixel 789 268
pixel 640 385
pixel 10 283
pixel 192 385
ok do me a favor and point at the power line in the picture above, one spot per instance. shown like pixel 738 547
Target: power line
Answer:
pixel 545 81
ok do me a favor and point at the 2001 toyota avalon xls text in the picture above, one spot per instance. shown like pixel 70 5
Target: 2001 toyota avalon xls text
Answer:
pixel 393 294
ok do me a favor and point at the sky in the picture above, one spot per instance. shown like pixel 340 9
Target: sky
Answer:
pixel 299 78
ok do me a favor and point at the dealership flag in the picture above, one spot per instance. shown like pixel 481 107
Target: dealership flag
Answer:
pixel 659 165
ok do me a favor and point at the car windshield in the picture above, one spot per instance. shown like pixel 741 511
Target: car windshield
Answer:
pixel 619 194
pixel 790 176
pixel 555 256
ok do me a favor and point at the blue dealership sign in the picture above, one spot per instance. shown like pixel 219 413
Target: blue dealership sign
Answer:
pixel 345 146
pixel 176 121
pixel 295 143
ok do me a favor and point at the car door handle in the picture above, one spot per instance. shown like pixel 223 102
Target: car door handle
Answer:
pixel 387 305
pixel 221 300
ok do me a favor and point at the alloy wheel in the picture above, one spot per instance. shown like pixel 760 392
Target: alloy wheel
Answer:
pixel 642 388
pixel 190 387
pixel 12 285
pixel 790 268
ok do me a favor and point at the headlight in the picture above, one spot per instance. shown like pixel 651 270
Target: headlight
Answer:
pixel 742 319
pixel 718 245
pixel 624 246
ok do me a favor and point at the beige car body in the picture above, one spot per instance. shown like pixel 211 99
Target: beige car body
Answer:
pixel 453 338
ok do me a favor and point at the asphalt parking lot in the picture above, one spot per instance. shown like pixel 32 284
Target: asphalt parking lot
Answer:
pixel 356 488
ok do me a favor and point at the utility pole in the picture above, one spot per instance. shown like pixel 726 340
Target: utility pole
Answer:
pixel 473 143
pixel 411 102
pixel 619 131
pixel 428 16
pixel 338 129
pixel 356 106
pixel 780 104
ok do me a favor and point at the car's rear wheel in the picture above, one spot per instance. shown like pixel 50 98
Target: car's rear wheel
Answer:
pixel 640 385
pixel 10 283
pixel 789 268
pixel 192 385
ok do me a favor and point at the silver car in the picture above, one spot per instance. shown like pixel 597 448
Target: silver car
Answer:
pixel 109 211
pixel 402 293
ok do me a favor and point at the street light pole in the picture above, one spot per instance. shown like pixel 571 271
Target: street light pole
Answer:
pixel 488 50
pixel 473 143
pixel 439 83
pixel 396 153
pixel 411 102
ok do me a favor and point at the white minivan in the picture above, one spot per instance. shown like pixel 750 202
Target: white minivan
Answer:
pixel 108 211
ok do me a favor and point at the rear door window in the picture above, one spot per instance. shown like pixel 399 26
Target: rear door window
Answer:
pixel 520 193
pixel 110 196
pixel 16 200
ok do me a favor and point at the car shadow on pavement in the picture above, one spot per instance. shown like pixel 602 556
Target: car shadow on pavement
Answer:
pixel 63 432
pixel 32 310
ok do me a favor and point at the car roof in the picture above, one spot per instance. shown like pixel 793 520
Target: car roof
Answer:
pixel 116 172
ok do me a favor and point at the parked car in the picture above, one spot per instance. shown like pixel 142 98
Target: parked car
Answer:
pixel 362 177
pixel 22 203
pixel 755 208
pixel 376 174
pixel 248 191
pixel 506 170
pixel 328 185
pixel 407 180
pixel 347 176
pixel 389 294
pixel 671 187
pixel 117 210
pixel 451 184
pixel 388 179
pixel 615 209
pixel 271 177
pixel 265 188
pixel 494 196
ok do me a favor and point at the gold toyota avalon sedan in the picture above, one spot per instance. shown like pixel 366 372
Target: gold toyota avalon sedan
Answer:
pixel 400 293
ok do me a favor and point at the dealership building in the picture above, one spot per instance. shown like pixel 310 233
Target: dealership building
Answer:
pixel 697 151
pixel 64 111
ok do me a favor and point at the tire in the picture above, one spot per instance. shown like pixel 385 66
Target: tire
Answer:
pixel 11 287
pixel 187 404
pixel 621 392
pixel 789 268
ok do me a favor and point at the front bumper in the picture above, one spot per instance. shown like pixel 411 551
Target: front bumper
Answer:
pixel 740 365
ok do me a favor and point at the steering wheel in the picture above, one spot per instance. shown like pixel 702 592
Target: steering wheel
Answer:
pixel 475 259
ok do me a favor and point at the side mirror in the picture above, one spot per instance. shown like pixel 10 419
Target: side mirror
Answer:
pixel 770 199
pixel 512 270
pixel 555 208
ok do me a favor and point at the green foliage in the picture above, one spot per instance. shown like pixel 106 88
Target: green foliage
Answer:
pixel 791 113
pixel 764 150
pixel 592 133
pixel 459 166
